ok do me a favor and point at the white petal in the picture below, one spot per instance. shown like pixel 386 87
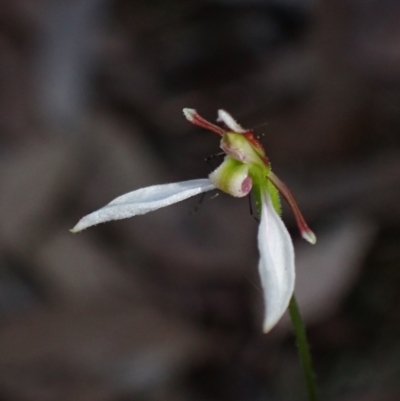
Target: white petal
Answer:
pixel 230 122
pixel 276 265
pixel 144 200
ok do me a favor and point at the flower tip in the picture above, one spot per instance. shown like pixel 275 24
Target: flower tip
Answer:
pixel 270 322
pixel 74 230
pixel 80 226
pixel 189 114
pixel 267 327
pixel 309 236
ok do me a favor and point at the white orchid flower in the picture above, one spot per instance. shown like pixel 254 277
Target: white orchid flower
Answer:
pixel 245 169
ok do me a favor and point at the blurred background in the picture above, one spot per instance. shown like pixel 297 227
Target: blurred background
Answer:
pixel 168 306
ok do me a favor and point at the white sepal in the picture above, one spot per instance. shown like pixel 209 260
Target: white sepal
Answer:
pixel 144 200
pixel 276 264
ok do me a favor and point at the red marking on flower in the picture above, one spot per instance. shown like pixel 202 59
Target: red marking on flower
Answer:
pixel 283 189
pixel 196 119
pixel 249 135
pixel 247 185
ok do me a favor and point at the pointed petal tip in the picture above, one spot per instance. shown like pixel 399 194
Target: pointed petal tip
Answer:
pixel 273 319
pixel 309 236
pixel 189 114
pixel 270 322
pixel 267 327
pixel 76 229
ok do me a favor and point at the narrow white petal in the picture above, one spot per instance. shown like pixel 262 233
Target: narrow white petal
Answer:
pixel 230 122
pixel 276 265
pixel 144 200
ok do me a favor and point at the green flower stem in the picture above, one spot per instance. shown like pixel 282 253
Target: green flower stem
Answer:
pixel 303 349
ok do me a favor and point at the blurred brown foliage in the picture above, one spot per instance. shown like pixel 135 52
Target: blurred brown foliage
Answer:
pixel 167 306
